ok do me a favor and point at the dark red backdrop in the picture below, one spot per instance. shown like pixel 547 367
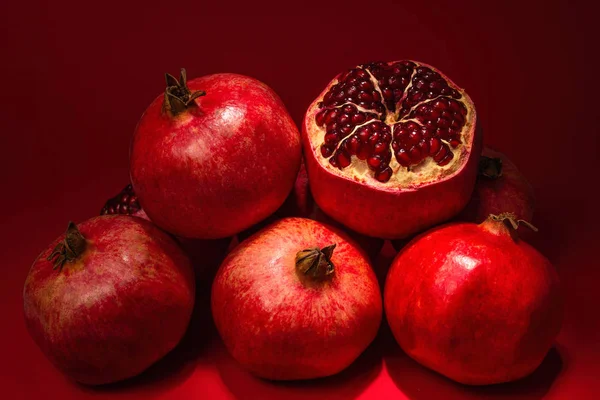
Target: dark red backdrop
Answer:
pixel 77 75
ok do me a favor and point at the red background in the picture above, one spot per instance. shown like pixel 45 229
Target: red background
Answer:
pixel 77 76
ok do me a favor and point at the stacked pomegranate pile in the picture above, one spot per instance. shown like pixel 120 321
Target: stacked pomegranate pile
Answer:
pixel 387 151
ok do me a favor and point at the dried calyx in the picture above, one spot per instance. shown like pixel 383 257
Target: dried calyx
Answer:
pixel 511 220
pixel 69 249
pixel 490 167
pixel 315 263
pixel 178 97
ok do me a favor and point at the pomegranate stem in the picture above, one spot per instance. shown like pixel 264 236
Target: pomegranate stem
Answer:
pixel 315 263
pixel 69 249
pixel 490 168
pixel 178 97
pixel 511 219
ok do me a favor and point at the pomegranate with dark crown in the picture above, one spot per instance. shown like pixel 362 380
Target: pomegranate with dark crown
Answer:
pixel 391 148
pixel 206 255
pixel 474 302
pixel 109 298
pixel 214 155
pixel 297 300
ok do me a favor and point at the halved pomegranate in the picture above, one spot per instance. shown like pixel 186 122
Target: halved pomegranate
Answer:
pixel 391 148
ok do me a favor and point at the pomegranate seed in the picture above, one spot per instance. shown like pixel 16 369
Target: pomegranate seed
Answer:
pixel 362 74
pixel 443 122
pixel 374 162
pixel 326 150
pixel 414 137
pixel 384 175
pixel 331 138
pixel 343 119
pixel 353 145
pixel 321 117
pixel 343 158
pixel 358 118
pixel 380 148
pixel 333 162
pixel 424 146
pixel 363 152
pixel 374 138
pixel 435 145
pixel 346 130
pixel 446 159
pixel 395 146
pixel 415 155
pixel 441 154
pixel 403 158
pixel 454 142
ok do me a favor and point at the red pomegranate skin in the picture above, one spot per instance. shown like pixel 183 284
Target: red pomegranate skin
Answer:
pixel 121 306
pixel 473 303
pixel 218 168
pixel 281 326
pixel 510 192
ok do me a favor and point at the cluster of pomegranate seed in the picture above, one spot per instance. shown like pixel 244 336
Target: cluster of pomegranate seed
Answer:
pixel 392 80
pixel 355 86
pixel 125 202
pixel 339 123
pixel 426 114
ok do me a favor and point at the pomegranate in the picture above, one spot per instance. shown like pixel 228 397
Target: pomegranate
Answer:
pixel 391 148
pixel 108 298
pixel 474 302
pixel 206 255
pixel 500 188
pixel 300 203
pixel 297 300
pixel 214 155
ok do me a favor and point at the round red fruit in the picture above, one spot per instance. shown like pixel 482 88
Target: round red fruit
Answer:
pixel 214 155
pixel 297 300
pixel 413 142
pixel 109 298
pixel 474 302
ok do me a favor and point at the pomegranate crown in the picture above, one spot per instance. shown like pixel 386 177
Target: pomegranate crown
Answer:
pixel 69 249
pixel 178 97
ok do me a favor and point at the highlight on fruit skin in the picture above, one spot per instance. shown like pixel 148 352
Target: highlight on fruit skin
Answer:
pixel 296 300
pixel 109 298
pixel 474 302
pixel 391 148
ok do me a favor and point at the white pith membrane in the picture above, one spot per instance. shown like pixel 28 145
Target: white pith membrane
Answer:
pixel 424 172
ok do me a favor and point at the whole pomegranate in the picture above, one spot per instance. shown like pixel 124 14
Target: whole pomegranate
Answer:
pixel 206 255
pixel 474 302
pixel 297 300
pixel 391 148
pixel 500 187
pixel 108 298
pixel 300 203
pixel 214 155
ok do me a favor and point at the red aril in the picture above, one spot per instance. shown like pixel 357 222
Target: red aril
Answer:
pixel 109 298
pixel 297 300
pixel 391 148
pixel 474 302
pixel 214 155
pixel 206 255
pixel 500 187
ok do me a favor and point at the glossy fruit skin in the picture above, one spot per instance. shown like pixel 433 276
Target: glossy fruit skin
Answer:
pixel 218 167
pixel 280 326
pixel 120 307
pixel 389 212
pixel 473 303
pixel 511 192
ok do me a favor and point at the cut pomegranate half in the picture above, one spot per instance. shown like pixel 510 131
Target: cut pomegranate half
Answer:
pixel 395 128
